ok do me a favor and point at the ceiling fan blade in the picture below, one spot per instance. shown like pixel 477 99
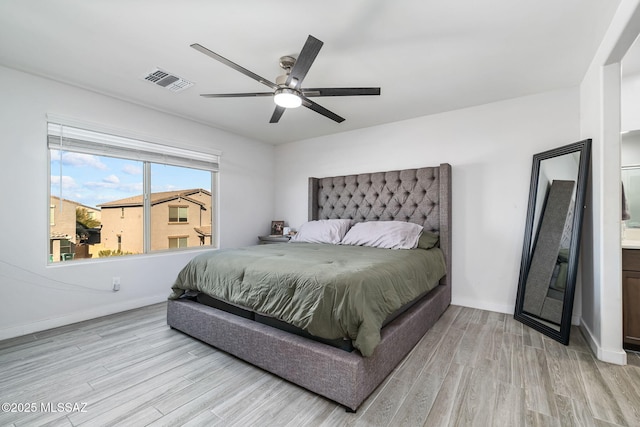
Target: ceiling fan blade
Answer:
pixel 235 95
pixel 233 65
pixel 341 91
pixel 320 109
pixel 277 113
pixel 303 63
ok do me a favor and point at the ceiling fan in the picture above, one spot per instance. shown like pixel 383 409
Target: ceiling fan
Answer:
pixel 287 90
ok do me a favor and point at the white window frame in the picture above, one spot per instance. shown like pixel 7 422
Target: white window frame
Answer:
pixel 66 134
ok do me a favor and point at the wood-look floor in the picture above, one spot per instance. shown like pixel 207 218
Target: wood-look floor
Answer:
pixel 472 368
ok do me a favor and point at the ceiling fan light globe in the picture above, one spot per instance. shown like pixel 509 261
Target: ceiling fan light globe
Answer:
pixel 287 98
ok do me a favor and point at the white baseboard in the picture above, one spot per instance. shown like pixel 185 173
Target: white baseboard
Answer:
pixel 480 305
pixel 43 325
pixel 575 320
pixel 617 357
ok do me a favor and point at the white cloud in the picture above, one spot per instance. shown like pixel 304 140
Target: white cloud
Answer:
pixel 79 159
pixel 101 184
pixel 111 179
pixel 67 181
pixel 134 187
pixel 112 182
pixel 166 187
pixel 132 169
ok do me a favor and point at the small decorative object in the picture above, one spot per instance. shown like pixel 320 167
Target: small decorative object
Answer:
pixel 286 231
pixel 277 227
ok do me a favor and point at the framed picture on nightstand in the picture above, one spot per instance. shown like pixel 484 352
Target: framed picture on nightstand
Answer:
pixel 277 227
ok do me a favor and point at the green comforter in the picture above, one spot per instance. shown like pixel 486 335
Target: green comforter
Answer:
pixel 331 291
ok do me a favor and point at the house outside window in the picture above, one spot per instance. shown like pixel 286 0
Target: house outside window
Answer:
pixel 144 197
pixel 66 236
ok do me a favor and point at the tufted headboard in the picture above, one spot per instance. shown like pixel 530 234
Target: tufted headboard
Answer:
pixel 421 196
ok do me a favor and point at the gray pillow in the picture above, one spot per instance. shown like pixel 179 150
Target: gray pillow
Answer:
pixel 428 240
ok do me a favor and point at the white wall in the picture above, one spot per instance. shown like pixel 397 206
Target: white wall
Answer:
pixel 630 149
pixel 490 148
pixel 36 296
pixel 630 102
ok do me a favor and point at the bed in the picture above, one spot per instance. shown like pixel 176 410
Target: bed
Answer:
pixel 346 376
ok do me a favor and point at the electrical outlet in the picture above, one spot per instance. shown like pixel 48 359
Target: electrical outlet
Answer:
pixel 116 283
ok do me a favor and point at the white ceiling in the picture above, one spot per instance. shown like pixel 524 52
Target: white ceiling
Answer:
pixel 427 56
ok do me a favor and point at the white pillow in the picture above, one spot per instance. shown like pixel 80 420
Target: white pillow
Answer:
pixel 384 234
pixel 322 231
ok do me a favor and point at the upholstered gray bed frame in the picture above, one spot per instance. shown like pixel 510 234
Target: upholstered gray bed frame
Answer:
pixel 421 196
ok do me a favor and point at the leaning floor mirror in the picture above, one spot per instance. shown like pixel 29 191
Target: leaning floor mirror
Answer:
pixel 552 239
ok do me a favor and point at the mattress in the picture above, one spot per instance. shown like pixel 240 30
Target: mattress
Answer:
pixel 329 291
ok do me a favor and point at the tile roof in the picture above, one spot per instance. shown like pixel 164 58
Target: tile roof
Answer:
pixel 159 197
pixel 204 230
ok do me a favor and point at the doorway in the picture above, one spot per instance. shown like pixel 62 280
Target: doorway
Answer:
pixel 630 197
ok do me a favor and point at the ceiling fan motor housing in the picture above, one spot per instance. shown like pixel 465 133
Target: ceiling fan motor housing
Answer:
pixel 286 62
pixel 282 80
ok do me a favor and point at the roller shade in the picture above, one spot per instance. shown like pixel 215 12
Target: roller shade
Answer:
pixel 68 138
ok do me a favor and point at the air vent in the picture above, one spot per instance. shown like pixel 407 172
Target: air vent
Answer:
pixel 168 80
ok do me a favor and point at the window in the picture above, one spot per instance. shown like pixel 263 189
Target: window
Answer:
pixel 178 214
pixel 178 242
pixel 65 250
pixel 126 190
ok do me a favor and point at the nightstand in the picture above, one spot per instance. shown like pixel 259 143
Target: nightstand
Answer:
pixel 267 240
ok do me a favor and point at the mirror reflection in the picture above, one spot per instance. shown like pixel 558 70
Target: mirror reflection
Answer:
pixel 631 197
pixel 630 159
pixel 549 259
pixel 553 223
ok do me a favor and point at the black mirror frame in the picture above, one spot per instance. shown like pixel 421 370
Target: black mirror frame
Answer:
pixel 562 336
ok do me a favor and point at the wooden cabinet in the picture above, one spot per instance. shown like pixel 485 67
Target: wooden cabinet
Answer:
pixel 631 298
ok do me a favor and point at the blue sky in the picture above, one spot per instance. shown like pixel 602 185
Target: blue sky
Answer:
pixel 92 180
